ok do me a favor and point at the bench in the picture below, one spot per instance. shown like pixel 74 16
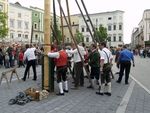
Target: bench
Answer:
pixel 12 71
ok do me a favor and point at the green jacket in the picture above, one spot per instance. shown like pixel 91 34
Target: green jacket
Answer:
pixel 94 59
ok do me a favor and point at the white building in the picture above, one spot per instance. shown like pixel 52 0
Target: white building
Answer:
pixel 20 22
pixel 143 31
pixel 113 21
pixel 145 25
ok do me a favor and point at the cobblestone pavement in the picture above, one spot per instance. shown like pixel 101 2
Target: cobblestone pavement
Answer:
pixel 76 101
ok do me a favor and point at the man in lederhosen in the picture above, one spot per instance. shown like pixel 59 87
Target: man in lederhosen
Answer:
pixel 106 60
pixel 61 66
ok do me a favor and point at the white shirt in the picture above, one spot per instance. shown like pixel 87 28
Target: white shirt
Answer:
pixel 104 56
pixel 29 54
pixel 54 55
pixel 76 56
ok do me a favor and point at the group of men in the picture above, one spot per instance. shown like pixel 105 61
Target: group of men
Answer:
pixel 100 62
pixel 98 59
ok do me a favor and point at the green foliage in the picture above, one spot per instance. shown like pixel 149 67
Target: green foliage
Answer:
pixel 101 34
pixel 3 25
pixel 79 37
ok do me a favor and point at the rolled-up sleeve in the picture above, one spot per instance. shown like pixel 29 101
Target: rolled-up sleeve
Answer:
pixel 53 55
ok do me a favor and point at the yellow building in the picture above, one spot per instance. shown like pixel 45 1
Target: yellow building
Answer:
pixel 4 6
pixel 75 27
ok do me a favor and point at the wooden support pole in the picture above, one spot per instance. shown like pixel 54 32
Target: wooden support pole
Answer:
pixel 47 42
pixel 69 18
pixel 62 25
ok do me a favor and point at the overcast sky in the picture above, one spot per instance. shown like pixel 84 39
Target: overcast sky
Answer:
pixel 133 10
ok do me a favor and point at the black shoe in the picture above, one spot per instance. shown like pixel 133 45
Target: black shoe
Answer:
pixel 90 86
pixel 99 93
pixel 66 91
pixel 126 83
pixel 107 93
pixel 118 81
pixel 23 79
pixel 60 94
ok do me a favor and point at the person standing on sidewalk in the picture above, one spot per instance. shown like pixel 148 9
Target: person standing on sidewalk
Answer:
pixel 61 66
pixel 21 63
pixel 78 65
pixel 29 55
pixel 125 58
pixel 94 62
pixel 105 69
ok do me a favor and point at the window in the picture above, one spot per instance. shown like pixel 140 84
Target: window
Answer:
pixel 87 29
pixel 87 39
pixel 36 37
pixel 19 24
pixel 35 26
pixel 120 27
pixel 26 25
pixel 19 35
pixel 114 38
pixel 109 27
pixel 96 21
pixel 76 30
pixel 11 35
pixel 109 38
pixel 35 14
pixel 67 39
pixel 26 36
pixel 19 15
pixel 82 29
pixel 114 27
pixel 109 18
pixel 120 38
pixel 12 23
pixel 1 7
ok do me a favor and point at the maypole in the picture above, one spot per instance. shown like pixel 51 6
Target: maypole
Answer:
pixel 46 69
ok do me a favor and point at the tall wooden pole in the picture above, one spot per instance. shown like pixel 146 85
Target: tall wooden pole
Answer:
pixel 55 23
pixel 69 18
pixel 47 41
pixel 62 25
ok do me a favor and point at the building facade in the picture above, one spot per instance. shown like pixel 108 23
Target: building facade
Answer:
pixel 145 25
pixel 4 6
pixel 112 21
pixel 143 31
pixel 37 25
pixel 20 23
pixel 74 26
pixel 137 40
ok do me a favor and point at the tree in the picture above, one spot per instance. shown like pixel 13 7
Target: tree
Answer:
pixel 3 25
pixel 79 37
pixel 101 34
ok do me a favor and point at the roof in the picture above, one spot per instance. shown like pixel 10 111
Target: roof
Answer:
pixel 17 4
pixel 101 13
